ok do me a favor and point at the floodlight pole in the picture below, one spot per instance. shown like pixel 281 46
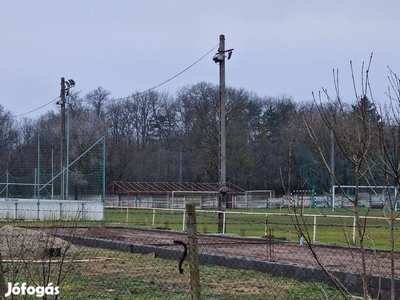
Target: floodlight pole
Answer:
pixel 63 138
pixel 65 88
pixel 222 136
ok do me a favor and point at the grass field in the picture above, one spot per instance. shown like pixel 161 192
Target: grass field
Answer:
pixel 334 228
pixel 112 275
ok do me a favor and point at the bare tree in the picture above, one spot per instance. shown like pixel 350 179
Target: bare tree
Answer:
pixel 97 99
pixel 197 115
pixel 387 161
pixel 353 131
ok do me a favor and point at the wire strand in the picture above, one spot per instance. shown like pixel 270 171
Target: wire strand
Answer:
pixel 162 83
pixel 150 89
pixel 29 112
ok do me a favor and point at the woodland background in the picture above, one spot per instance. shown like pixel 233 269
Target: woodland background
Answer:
pixel 158 136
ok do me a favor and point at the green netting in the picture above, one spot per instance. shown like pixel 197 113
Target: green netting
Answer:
pixel 83 179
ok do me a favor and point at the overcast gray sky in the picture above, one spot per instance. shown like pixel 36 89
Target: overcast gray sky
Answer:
pixel 280 47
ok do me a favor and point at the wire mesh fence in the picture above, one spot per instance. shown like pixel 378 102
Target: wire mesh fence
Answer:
pixel 72 261
pixel 73 190
pixel 81 176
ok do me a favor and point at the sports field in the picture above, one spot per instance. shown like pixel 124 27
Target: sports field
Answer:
pixel 319 225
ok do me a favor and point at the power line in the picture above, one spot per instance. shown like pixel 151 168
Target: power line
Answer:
pixel 164 82
pixel 29 112
pixel 181 71
pixel 152 88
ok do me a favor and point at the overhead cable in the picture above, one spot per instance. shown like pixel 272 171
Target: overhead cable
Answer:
pixel 152 88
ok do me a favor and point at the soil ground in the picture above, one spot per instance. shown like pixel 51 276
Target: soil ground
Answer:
pixel 267 249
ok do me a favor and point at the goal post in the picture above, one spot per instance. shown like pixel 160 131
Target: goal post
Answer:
pixel 202 199
pixel 256 199
pixel 303 198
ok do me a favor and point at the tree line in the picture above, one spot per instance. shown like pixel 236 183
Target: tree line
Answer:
pixel 157 136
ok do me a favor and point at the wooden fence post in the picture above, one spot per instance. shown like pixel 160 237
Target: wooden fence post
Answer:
pixel 193 252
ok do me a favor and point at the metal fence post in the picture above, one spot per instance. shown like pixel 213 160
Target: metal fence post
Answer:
pixel 16 211
pixel 315 229
pixel 193 252
pixel 183 221
pixel 38 210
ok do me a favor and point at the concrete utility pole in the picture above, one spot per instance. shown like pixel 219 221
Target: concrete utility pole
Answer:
pixel 220 58
pixel 222 135
pixel 65 88
pixel 63 138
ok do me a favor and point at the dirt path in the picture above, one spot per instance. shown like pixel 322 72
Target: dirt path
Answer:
pixel 332 257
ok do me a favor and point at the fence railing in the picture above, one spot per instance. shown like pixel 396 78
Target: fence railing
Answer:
pixel 244 223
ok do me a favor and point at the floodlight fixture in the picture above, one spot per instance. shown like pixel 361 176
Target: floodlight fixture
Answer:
pixel 70 83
